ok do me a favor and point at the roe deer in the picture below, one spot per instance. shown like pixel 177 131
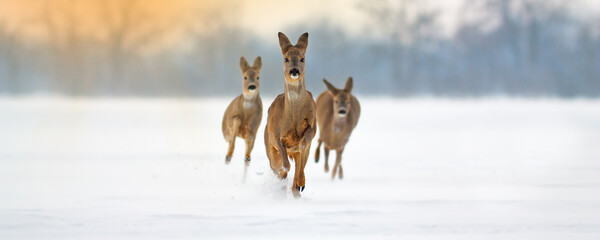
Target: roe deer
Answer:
pixel 291 117
pixel 244 113
pixel 337 115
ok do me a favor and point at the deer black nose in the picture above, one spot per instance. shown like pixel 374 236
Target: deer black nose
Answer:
pixel 252 87
pixel 294 71
pixel 342 112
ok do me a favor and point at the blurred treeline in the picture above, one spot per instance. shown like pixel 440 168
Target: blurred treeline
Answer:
pixel 501 47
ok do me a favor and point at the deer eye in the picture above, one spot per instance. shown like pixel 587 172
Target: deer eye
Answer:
pixel 287 60
pixel 301 59
pixel 257 78
pixel 245 78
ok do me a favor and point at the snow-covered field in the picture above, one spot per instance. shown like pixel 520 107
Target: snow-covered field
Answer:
pixel 414 169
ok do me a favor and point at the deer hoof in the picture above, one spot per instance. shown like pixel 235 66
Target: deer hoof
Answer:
pixel 247 159
pixel 227 159
pixel 316 160
pixel 300 189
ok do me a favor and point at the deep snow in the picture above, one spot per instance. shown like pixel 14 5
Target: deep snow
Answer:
pixel 414 169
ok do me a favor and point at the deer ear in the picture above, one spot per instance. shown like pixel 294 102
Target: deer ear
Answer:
pixel 303 41
pixel 244 64
pixel 349 84
pixel 330 88
pixel 284 42
pixel 257 63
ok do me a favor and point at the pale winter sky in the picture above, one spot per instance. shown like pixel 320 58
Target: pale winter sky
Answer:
pixel 265 17
pixel 269 16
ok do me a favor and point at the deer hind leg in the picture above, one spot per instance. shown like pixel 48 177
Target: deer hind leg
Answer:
pixel 236 121
pixel 318 152
pixel 284 157
pixel 276 162
pixel 285 162
pixel 326 151
pixel 338 160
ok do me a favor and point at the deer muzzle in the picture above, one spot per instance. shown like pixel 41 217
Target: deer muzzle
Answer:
pixel 294 73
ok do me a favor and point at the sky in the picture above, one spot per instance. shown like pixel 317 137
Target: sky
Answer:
pixel 268 16
pixel 263 17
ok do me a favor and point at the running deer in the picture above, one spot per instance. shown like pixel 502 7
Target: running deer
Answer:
pixel 244 113
pixel 337 115
pixel 291 117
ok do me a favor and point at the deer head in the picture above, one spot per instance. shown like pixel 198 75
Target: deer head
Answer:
pixel 293 58
pixel 251 76
pixel 341 97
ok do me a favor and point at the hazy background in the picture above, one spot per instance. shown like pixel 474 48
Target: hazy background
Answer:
pixel 479 119
pixel 391 48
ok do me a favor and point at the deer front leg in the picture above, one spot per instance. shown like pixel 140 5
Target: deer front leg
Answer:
pixel 230 150
pixel 318 153
pixel 234 130
pixel 338 160
pixel 297 187
pixel 249 145
pixel 326 151
pixel 301 178
pixel 301 159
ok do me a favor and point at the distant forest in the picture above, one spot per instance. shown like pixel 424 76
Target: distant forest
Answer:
pixel 506 47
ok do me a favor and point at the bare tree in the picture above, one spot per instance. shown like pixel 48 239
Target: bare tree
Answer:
pixel 403 23
pixel 10 67
pixel 129 28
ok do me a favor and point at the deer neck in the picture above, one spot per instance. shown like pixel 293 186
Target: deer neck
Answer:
pixel 294 92
pixel 339 123
pixel 249 100
pixel 250 97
